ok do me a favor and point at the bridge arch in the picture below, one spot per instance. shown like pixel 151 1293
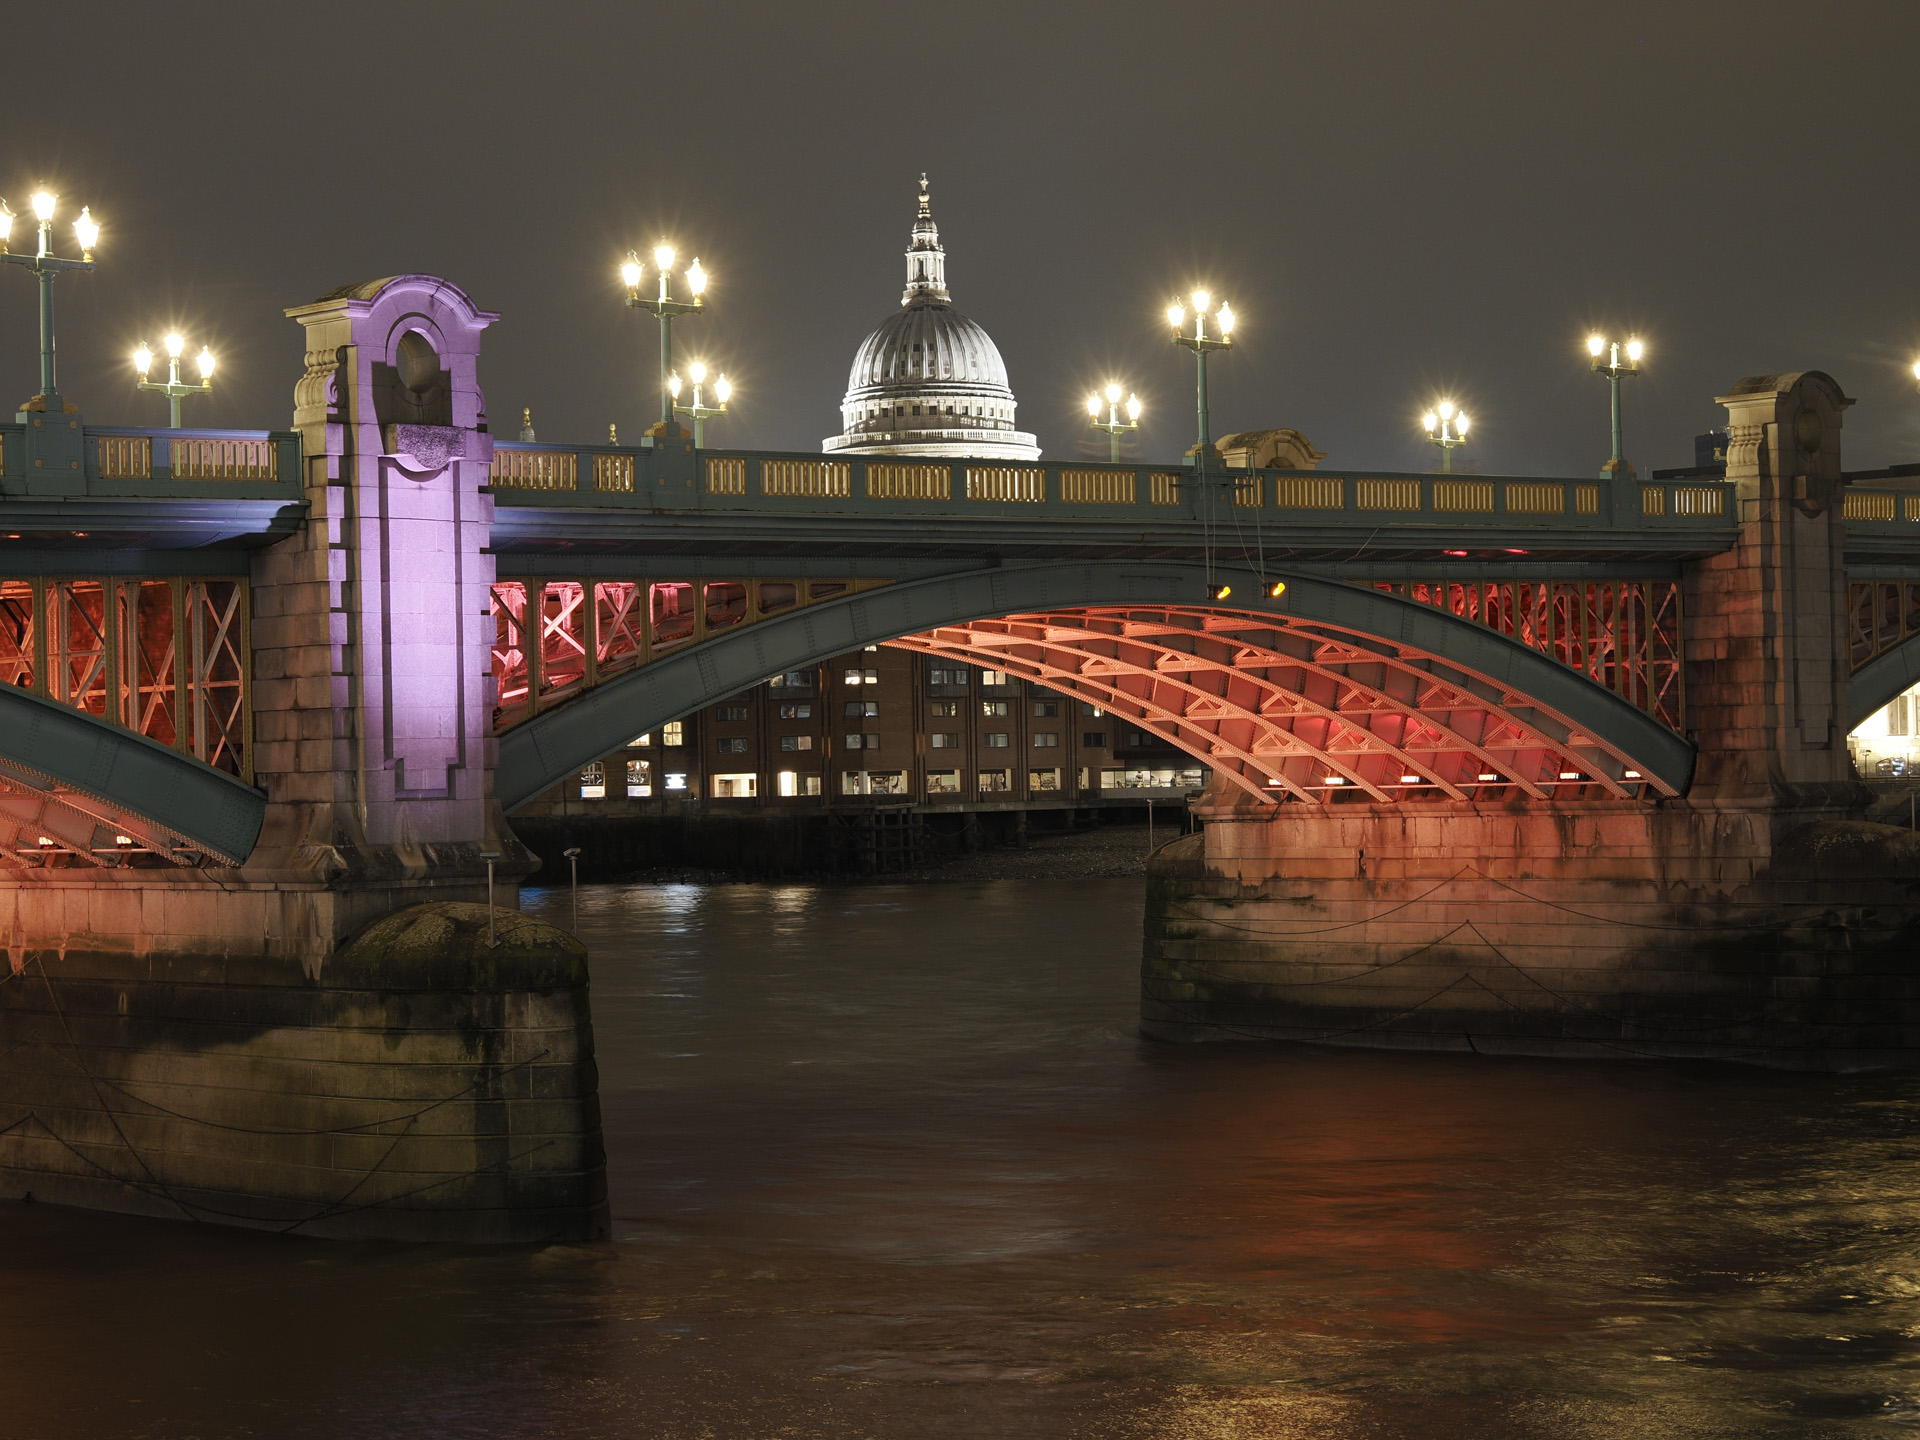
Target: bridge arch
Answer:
pixel 1325 687
pixel 1874 685
pixel 81 783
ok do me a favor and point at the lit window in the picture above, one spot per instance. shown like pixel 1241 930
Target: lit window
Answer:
pixel 860 677
pixel 673 733
pixel 1092 712
pixel 994 677
pixel 735 787
pixel 996 740
pixel 994 709
pixel 676 782
pixel 796 742
pixel 871 649
pixel 639 779
pixel 943 709
pixel 943 782
pixel 792 784
pixel 796 712
pixel 1039 780
pixel 641 740
pixel 731 744
pixel 1046 740
pixel 593 782
pixel 1046 709
pixel 994 782
pixel 1094 739
pixel 940 740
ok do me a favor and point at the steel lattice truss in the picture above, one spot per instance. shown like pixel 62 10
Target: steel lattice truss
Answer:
pixel 1881 614
pixel 1623 634
pixel 165 658
pixel 1306 711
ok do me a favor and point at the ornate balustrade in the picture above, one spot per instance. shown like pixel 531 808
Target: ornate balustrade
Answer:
pixel 674 478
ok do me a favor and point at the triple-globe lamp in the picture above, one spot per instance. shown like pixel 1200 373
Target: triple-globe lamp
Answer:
pixel 663 306
pixel 46 265
pixel 173 387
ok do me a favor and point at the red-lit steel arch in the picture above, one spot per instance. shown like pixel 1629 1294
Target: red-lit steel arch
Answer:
pixel 1281 693
pixel 1291 708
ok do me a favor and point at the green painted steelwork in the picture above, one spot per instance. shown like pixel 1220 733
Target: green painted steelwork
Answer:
pixel 543 750
pixel 1874 685
pixel 208 809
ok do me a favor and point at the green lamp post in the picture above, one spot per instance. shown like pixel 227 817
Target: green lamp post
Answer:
pixel 1113 424
pixel 699 410
pixel 1606 361
pixel 1447 428
pixel 664 307
pixel 46 265
pixel 173 387
pixel 1202 344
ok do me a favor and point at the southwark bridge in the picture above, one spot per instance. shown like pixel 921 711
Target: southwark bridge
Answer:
pixel 1527 765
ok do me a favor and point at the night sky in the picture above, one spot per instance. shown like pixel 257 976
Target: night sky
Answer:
pixel 1401 201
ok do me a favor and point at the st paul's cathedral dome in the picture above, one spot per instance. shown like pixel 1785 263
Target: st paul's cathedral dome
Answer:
pixel 929 381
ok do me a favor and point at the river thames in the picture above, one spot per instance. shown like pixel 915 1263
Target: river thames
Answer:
pixel 891 1161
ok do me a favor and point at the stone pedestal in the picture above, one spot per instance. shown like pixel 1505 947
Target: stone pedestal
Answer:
pixel 1758 918
pixel 424 1086
pixel 250 1045
pixel 1782 936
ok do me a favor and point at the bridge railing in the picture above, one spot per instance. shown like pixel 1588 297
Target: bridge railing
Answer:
pixel 125 462
pixel 1874 511
pixel 613 477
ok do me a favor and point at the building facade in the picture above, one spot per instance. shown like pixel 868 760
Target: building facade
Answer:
pixel 875 730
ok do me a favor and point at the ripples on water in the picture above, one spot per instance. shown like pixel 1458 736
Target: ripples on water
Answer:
pixel 890 1162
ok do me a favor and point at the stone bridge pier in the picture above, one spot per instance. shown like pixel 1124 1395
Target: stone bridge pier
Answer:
pixel 1757 917
pixel 322 1039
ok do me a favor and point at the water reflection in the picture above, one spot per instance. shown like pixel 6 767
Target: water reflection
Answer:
pixel 891 1162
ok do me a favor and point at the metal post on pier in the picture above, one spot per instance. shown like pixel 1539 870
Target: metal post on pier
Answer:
pixel 573 866
pixel 490 856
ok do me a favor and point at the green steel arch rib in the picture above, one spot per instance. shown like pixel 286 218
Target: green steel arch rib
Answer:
pixel 1892 672
pixel 1542 697
pixel 71 776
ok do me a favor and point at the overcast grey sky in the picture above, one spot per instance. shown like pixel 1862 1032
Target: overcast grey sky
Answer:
pixel 1401 200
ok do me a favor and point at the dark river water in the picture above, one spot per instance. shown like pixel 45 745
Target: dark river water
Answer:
pixel 891 1162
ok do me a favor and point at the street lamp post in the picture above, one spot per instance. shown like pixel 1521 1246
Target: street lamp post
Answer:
pixel 174 388
pixel 1113 424
pixel 46 265
pixel 664 307
pixel 699 410
pixel 1447 428
pixel 1606 361
pixel 1202 344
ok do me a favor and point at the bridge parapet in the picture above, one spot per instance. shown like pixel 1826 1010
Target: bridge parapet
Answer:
pixel 674 477
pixel 123 463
